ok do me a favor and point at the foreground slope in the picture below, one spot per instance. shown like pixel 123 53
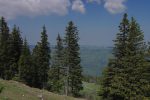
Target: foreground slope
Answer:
pixel 18 91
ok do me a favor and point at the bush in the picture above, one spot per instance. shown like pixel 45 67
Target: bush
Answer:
pixel 1 88
pixel 16 78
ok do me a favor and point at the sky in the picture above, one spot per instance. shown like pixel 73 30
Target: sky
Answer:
pixel 97 20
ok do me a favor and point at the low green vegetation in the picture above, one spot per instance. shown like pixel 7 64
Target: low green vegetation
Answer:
pixel 17 91
pixel 90 91
pixel 1 88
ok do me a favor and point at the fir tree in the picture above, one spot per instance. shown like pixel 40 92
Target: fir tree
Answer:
pixel 26 69
pixel 114 79
pixel 72 60
pixel 4 52
pixel 56 70
pixel 15 49
pixel 41 59
pixel 35 60
pixel 135 62
pixel 124 78
pixel 147 69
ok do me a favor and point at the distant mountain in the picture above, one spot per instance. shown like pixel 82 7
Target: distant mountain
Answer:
pixel 93 58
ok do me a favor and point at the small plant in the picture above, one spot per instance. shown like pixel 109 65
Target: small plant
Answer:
pixel 1 88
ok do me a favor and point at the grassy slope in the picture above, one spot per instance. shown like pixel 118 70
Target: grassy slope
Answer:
pixel 17 91
pixel 91 90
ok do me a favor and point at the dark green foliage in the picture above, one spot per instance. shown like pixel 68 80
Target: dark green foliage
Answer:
pixel 91 79
pixel 72 59
pixel 114 80
pixel 124 78
pixel 35 60
pixel 15 48
pixel 26 68
pixel 56 71
pixel 4 52
pixel 135 62
pixel 1 88
pixel 41 58
pixel 10 50
pixel 146 73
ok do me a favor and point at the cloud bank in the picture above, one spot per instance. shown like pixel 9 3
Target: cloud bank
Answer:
pixel 13 8
pixel 115 6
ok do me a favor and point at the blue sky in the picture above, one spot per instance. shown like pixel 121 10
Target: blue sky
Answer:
pixel 97 20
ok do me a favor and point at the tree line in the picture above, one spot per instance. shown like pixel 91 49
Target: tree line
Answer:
pixel 59 72
pixel 127 76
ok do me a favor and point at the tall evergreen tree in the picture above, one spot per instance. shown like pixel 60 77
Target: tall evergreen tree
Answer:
pixel 35 61
pixel 124 78
pixel 114 79
pixel 15 48
pixel 42 59
pixel 56 70
pixel 4 55
pixel 147 69
pixel 135 62
pixel 26 69
pixel 72 59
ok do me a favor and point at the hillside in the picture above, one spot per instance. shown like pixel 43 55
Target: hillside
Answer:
pixel 93 58
pixel 17 91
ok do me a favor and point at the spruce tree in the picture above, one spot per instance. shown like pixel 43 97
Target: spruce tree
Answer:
pixel 35 60
pixel 15 48
pixel 41 55
pixel 26 68
pixel 114 79
pixel 147 69
pixel 72 60
pixel 4 52
pixel 125 75
pixel 135 62
pixel 56 70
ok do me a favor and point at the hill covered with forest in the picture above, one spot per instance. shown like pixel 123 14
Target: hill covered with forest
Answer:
pixel 93 58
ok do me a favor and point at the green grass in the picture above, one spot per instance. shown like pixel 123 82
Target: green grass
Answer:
pixel 90 91
pixel 18 91
pixel 88 87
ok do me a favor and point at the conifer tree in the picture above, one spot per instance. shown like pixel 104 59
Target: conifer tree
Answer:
pixel 124 78
pixel 114 78
pixel 26 69
pixel 135 62
pixel 147 69
pixel 15 48
pixel 4 53
pixel 72 59
pixel 35 61
pixel 41 55
pixel 56 70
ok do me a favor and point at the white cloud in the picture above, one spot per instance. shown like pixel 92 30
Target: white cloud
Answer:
pixel 78 5
pixel 115 6
pixel 12 8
